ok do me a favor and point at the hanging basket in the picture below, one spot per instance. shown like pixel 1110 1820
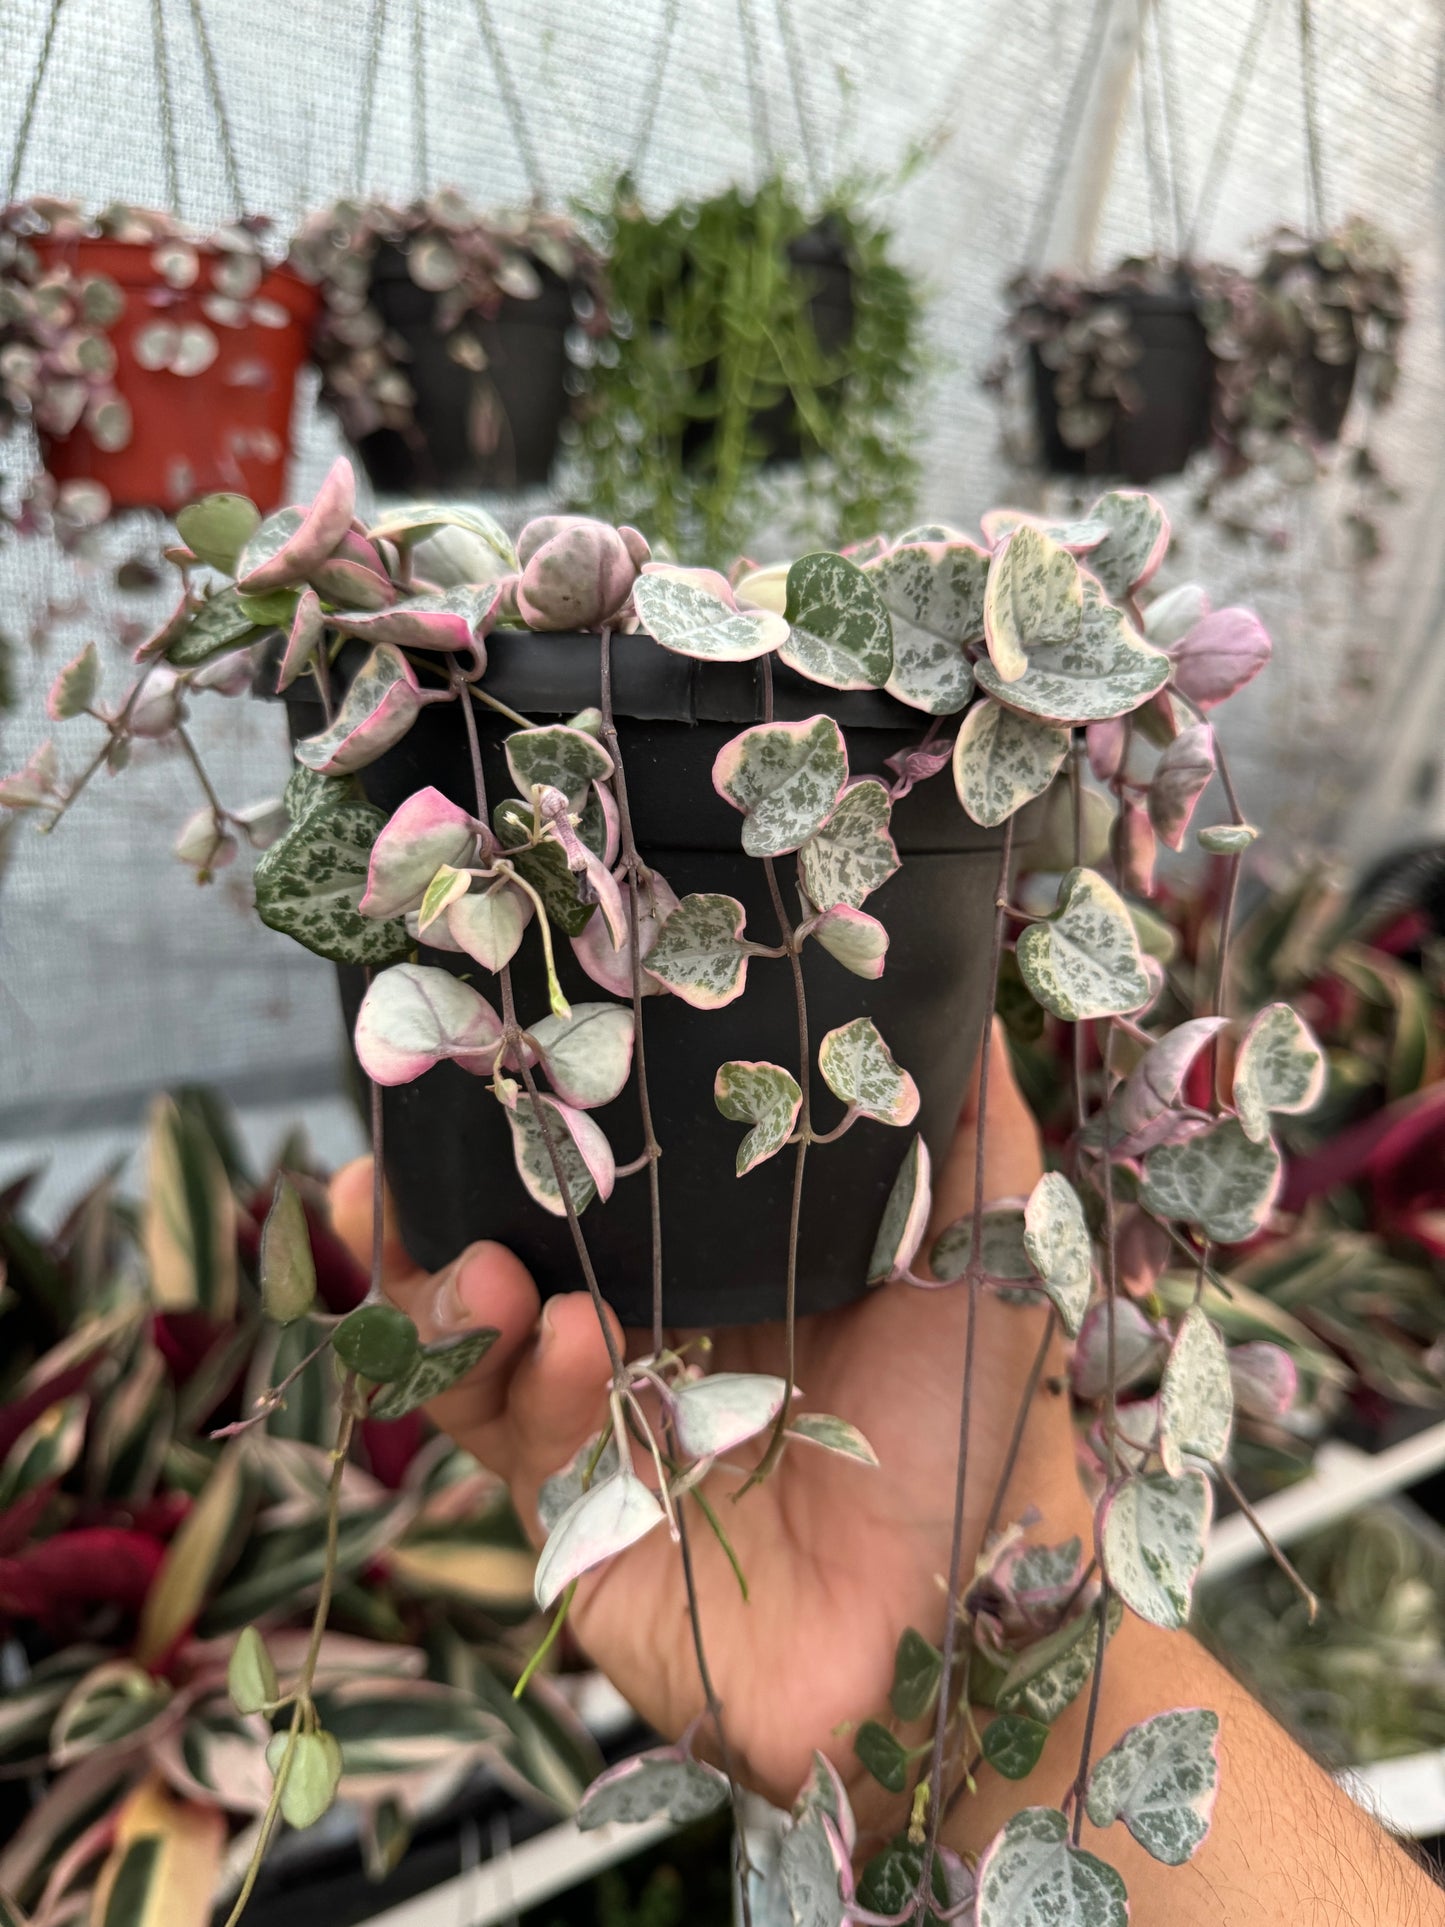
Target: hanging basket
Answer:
pixel 201 394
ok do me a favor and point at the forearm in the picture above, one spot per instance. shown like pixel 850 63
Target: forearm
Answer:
pixel 1287 1847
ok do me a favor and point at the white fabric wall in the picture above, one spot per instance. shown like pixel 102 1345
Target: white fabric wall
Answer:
pixel 115 975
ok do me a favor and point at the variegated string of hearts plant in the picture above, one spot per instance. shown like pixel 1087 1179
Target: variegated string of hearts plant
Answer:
pixel 1028 655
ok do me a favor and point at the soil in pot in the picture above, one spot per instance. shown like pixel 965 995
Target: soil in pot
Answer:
pixel 448 1150
pixel 494 427
pixel 216 414
pixel 1174 379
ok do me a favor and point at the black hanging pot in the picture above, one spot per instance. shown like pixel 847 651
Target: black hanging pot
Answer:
pixel 448 1148
pixel 472 429
pixel 1172 380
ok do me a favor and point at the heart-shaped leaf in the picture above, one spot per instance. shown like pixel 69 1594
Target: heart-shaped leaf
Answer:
pixel 610 1516
pixel 839 632
pixel 1152 1530
pixel 1056 1239
pixel 377 1341
pixel 933 590
pixel 905 1216
pixel 488 924
pixel 1139 1349
pixel 413 1016
pixel 417 521
pixel 1196 1396
pixel 854 852
pixel 309 885
pixel 1280 1068
pixel 567 759
pixel 765 1096
pixel 786 778
pixel 251 1673
pixel 1004 1258
pixel 434 1370
pixel 833 1435
pixel 217 528
pixel 287 1270
pixel 377 710
pixel 1160 1780
pixel 1050 1675
pixel 699 952
pixel 714 1414
pixel 218 627
pixel 1226 839
pixel 612 968
pixel 882 1755
pixel 859 1069
pixel 858 941
pixel 1220 1180
pixel 1083 960
pixel 582 1150
pixel 917 1669
pixel 308 626
pixel 812 1865
pixel 438 619
pixel 564 1488
pixel 1012 1744
pixel 1221 653
pixel 354 576
pixel 424 833
pixel 1002 759
pixel 282 552
pixel 1137 541
pixel 1180 778
pixel 693 613
pixel 1034 595
pixel 664 1780
pixel 1264 1378
pixel 1079 536
pixel 1155 1086
pixel 311 1763
pixel 1103 670
pixel 1032 1876
pixel 74 689
pixel 587 1056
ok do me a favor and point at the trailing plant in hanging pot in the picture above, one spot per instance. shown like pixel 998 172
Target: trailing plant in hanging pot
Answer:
pixel 155 364
pixel 751 335
pixel 1033 648
pixel 449 340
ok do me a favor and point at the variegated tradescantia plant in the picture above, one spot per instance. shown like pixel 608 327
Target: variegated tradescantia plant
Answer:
pixel 1036 653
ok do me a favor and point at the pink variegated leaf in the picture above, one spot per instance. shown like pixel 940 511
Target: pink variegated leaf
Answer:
pixel 699 953
pixel 1171 616
pixel 763 1095
pixel 913 766
pixel 611 1515
pixel 611 967
pixel 1222 1181
pixel 587 1056
pixel 1280 1067
pixel 1140 1348
pixel 1138 539
pixel 1196 1398
pixel 861 1072
pixel 1034 596
pixel 1156 1083
pixel 664 1780
pixel 354 576
pixel 453 619
pixel 694 613
pixel 1107 742
pixel 75 688
pixel 36 785
pixel 715 1414
pixel 308 626
pixel 378 709
pixel 905 1216
pixel 1265 1380
pixel 1160 1779
pixel 785 778
pixel 1219 655
pixel 582 1151
pixel 1170 1127
pixel 599 886
pixel 1181 777
pixel 1079 537
pixel 1132 844
pixel 266 563
pixel 605 803
pixel 422 834
pixel 576 572
pixel 858 941
pixel 487 924
pixel 414 1015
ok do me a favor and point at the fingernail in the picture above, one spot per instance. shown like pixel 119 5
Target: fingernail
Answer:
pixel 548 1328
pixel 448 1313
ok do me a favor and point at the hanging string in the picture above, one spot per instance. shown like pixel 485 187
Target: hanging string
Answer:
pixel 168 123
pixel 1173 125
pixel 800 100
pixel 511 101
pixel 418 97
pixel 1315 174
pixel 368 95
pixel 757 101
pixel 1068 135
pixel 218 105
pixel 1228 127
pixel 652 96
pixel 32 99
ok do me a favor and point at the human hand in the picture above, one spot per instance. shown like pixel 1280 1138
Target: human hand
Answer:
pixel 839 1558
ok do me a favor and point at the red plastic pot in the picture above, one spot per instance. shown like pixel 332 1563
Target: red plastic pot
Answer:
pixel 228 427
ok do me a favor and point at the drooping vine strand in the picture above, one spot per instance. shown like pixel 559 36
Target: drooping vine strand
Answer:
pixel 924 1894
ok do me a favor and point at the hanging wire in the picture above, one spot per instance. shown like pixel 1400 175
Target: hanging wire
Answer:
pixel 653 95
pixel 1173 125
pixel 32 99
pixel 801 106
pixel 218 104
pixel 511 101
pixel 1228 128
pixel 1315 172
pixel 418 96
pixel 168 121
pixel 757 100
pixel 1068 135
pixel 368 95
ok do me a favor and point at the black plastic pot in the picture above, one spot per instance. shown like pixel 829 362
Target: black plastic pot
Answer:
pixel 448 1152
pixel 523 385
pixel 1175 380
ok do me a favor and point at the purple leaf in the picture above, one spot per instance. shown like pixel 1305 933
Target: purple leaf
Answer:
pixel 1156 1083
pixel 1107 742
pixel 912 766
pixel 455 619
pixel 1131 840
pixel 610 967
pixel 425 832
pixel 858 941
pixel 413 1016
pixel 318 533
pixel 308 626
pixel 786 778
pixel 1220 654
pixel 609 1517
pixel 1265 1379
pixel 715 1414
pixel 1180 778
pixel 377 710
pixel 582 1148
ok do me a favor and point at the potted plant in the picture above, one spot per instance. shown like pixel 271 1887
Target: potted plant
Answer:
pixel 754 335
pixel 445 344
pixel 1037 646
pixel 156 365
pixel 146 1510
